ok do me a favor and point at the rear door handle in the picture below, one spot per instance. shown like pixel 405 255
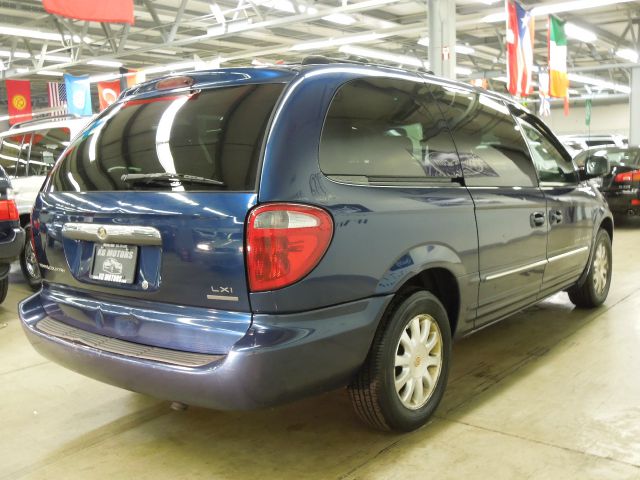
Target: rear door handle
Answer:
pixel 555 216
pixel 537 219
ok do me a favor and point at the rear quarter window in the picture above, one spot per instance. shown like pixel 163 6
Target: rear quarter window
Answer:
pixel 215 134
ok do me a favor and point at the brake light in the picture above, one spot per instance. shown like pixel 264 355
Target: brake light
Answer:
pixel 284 243
pixel 627 177
pixel 635 202
pixel 8 210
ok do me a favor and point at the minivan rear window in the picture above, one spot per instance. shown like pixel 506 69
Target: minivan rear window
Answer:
pixel 167 142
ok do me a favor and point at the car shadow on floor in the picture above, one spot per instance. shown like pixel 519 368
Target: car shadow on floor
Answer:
pixel 295 440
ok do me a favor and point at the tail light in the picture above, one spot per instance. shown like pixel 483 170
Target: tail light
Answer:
pixel 627 177
pixel 8 209
pixel 284 243
pixel 635 202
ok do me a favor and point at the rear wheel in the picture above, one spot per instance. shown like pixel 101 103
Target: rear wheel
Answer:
pixel 593 292
pixel 29 262
pixel 404 377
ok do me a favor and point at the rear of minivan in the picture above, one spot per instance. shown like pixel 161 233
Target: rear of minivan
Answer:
pixel 150 238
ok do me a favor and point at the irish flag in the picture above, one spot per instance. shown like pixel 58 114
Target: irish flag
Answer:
pixel 558 80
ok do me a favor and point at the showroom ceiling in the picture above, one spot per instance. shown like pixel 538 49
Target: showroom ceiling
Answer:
pixel 173 35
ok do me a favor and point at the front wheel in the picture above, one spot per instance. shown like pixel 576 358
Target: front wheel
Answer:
pixel 593 292
pixel 404 378
pixel 29 263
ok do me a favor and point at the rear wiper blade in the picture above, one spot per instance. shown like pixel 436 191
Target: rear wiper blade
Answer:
pixel 169 178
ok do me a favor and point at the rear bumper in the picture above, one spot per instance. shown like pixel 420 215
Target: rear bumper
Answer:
pixel 620 201
pixel 11 248
pixel 281 358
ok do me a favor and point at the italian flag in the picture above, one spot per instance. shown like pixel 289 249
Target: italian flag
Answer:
pixel 558 80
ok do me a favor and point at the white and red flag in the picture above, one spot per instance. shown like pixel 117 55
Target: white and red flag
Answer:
pixel 520 39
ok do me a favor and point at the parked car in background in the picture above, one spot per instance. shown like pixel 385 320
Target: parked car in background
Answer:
pixel 27 152
pixel 621 183
pixel 577 143
pixel 243 237
pixel 11 234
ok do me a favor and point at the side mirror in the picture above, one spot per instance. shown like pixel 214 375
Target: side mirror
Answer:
pixel 596 167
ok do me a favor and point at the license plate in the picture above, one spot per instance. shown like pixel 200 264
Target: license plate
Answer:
pixel 114 263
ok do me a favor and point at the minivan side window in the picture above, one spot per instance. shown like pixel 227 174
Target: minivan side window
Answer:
pixel 387 130
pixel 491 149
pixel 13 153
pixel 46 147
pixel 552 167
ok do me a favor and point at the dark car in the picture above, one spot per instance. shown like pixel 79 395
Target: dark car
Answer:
pixel 620 185
pixel 285 231
pixel 11 235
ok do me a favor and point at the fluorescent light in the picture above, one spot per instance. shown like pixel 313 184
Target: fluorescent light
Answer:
pixel 50 73
pixel 600 83
pixel 105 77
pixel 38 34
pixel 628 54
pixel 340 19
pixel 560 7
pixel 383 55
pixel 22 70
pixel 55 58
pixel 463 71
pixel 334 42
pixel 579 33
pixel 461 49
pixel 7 54
pixel 105 63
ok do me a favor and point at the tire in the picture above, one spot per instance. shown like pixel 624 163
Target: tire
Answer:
pixel 4 288
pixel 373 391
pixel 594 290
pixel 29 263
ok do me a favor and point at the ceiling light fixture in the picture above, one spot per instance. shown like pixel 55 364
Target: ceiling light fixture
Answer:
pixel 334 42
pixel 598 82
pixel 340 19
pixel 560 7
pixel 105 63
pixel 38 34
pixel 628 54
pixel 50 73
pixel 578 33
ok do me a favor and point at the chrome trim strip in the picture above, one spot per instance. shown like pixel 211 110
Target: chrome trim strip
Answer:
pixel 125 234
pixel 568 254
pixel 222 297
pixel 494 276
pixel 121 347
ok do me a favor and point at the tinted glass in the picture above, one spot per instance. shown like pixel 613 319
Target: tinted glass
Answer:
pixel 615 156
pixel 550 164
pixel 386 129
pixel 13 153
pixel 216 134
pixel 492 150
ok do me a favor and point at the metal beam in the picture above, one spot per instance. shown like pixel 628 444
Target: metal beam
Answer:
pixel 179 15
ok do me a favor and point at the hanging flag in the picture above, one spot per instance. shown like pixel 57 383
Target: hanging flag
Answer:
pixel 108 93
pixel 559 82
pixel 111 11
pixel 57 98
pixel 19 100
pixel 78 95
pixel 543 92
pixel 587 112
pixel 520 31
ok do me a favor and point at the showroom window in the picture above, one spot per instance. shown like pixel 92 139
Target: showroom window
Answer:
pixel 492 150
pixel 13 153
pixel 46 147
pixel 388 130
pixel 551 166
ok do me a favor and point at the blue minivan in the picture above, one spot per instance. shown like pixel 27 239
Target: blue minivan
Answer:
pixel 243 237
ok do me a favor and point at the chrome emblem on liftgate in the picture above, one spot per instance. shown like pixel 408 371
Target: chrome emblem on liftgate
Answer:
pixel 102 233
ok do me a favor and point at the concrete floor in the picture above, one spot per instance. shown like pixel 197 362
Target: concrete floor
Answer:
pixel 550 393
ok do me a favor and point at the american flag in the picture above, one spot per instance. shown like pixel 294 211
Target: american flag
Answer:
pixel 57 98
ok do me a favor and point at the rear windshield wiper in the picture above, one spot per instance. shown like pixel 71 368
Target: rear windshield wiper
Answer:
pixel 167 177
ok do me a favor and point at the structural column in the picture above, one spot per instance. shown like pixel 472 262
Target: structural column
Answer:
pixel 634 104
pixel 442 37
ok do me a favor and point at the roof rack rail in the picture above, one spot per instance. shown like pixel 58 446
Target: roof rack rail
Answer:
pixel 36 121
pixel 322 60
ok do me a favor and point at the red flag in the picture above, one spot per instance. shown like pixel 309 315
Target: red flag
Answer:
pixel 113 11
pixel 19 100
pixel 512 47
pixel 108 93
